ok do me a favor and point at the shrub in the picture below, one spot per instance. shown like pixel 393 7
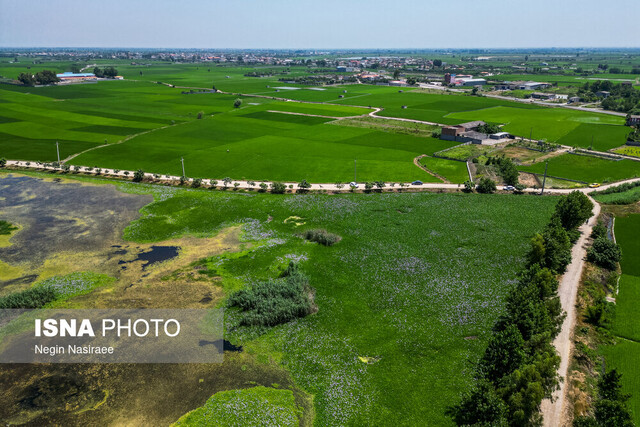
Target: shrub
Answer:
pixel 263 187
pixel 237 103
pixel 30 298
pixel 274 302
pixel 6 227
pixel 200 115
pixel 322 236
pixel 469 186
pixel 304 185
pixel 138 175
pixel 3 162
pixel 486 186
pixel 599 230
pixel 604 253
pixel 197 182
pixel 278 188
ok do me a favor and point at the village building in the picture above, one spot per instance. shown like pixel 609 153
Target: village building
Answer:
pixel 70 77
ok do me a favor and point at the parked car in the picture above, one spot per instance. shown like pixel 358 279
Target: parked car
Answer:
pixel 416 183
pixel 594 185
pixel 509 188
pixel 353 184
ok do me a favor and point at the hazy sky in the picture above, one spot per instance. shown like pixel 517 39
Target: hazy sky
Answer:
pixel 320 23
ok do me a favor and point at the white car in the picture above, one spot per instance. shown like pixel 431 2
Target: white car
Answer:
pixel 509 188
pixel 353 184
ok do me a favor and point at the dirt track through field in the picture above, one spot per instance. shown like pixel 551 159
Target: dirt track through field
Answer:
pixel 559 413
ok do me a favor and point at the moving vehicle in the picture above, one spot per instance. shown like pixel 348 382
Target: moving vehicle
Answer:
pixel 416 183
pixel 594 185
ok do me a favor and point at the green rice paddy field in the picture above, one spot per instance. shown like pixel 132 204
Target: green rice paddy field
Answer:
pixel 587 168
pixel 151 126
pixel 623 355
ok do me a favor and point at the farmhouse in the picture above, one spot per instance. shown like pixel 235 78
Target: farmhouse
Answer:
pixel 70 77
pixel 466 81
pixel 602 94
pixel 468 133
pixel 522 85
pixel 543 96
pixel 633 120
pixel 574 99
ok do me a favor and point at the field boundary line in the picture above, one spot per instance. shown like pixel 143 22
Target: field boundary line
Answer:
pixel 310 115
pixel 130 137
pixel 416 162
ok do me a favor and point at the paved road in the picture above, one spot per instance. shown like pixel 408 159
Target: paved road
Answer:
pixel 553 104
pixel 316 186
pixel 558 412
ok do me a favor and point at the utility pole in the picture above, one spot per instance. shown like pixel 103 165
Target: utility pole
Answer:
pixel 58 150
pixel 544 180
pixel 591 147
pixel 530 134
pixel 182 161
pixel 355 170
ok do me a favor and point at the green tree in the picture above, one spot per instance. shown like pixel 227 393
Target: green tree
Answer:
pixel 469 186
pixel 46 77
pixel 557 247
pixel 226 181
pixel 304 185
pixel 486 186
pixel 237 103
pixel 27 79
pixel 278 188
pixel 573 209
pixel 3 162
pixel 110 72
pixel 138 175
pixel 479 407
pixel 98 72
pixel 599 230
pixel 508 171
pixel 604 253
pixel 504 354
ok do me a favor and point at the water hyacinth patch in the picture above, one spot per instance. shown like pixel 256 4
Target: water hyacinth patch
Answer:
pixel 417 281
pixel 75 284
pixel 256 406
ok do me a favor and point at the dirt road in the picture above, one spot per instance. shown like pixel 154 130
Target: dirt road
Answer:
pixel 558 412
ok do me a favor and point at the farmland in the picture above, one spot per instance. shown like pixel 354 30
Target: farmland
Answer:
pixel 586 168
pixel 140 124
pixel 623 355
pixel 396 291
